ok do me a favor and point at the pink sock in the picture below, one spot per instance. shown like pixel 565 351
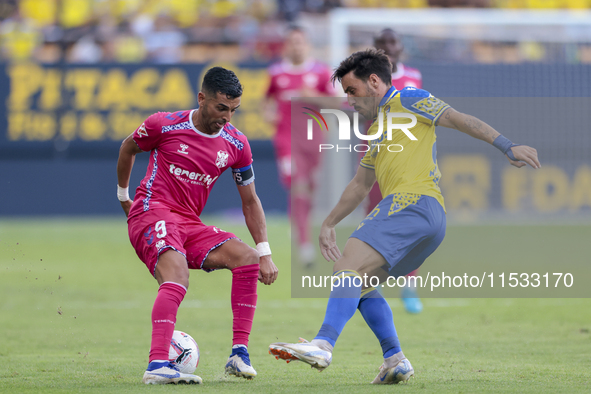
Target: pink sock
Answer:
pixel 244 301
pixel 301 216
pixel 166 305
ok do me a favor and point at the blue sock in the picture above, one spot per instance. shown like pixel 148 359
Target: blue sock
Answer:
pixel 342 304
pixel 378 316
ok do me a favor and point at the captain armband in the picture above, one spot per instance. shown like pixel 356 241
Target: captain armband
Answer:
pixel 243 176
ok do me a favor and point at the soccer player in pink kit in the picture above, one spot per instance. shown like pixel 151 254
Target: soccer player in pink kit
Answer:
pixel 402 76
pixel 189 150
pixel 297 157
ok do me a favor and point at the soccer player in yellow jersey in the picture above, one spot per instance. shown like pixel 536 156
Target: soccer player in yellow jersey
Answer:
pixel 406 226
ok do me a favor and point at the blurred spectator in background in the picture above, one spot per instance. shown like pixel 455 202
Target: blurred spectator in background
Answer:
pixel 86 50
pixel 165 42
pixel 460 3
pixel 20 37
pixel 131 48
pixel 89 31
pixel 51 31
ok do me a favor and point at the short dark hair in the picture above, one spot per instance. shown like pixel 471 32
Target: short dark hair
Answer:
pixel 221 80
pixel 363 64
pixel 387 31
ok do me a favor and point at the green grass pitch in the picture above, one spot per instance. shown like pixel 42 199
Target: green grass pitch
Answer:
pixel 75 306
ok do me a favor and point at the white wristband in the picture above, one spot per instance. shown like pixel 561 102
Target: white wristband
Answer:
pixel 122 193
pixel 264 249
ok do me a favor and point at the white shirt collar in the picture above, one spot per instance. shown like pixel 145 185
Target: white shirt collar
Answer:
pixel 200 132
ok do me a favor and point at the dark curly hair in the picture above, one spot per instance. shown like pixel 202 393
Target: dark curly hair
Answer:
pixel 221 80
pixel 363 64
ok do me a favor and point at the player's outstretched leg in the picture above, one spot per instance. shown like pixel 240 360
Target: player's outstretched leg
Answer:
pixel 378 316
pixel 342 304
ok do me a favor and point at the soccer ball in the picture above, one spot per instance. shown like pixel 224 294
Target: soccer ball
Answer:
pixel 184 352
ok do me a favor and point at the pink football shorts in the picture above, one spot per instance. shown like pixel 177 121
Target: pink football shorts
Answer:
pixel 157 230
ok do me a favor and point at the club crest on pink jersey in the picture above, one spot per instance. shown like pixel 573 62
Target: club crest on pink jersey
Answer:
pixel 222 159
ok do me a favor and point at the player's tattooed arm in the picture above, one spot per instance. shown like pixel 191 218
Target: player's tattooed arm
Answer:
pixel 468 124
pixel 476 128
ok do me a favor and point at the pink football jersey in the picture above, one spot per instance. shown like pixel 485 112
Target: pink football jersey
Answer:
pixel 287 81
pixel 185 163
pixel 406 76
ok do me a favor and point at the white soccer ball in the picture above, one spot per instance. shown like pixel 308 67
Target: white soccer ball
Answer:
pixel 184 352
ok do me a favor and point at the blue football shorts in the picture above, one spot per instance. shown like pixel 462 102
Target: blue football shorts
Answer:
pixel 405 228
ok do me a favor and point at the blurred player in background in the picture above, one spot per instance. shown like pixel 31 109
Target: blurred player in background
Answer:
pixel 189 151
pixel 402 76
pixel 297 76
pixel 406 227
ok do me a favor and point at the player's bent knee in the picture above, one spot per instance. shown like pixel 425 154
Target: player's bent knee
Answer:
pixel 249 257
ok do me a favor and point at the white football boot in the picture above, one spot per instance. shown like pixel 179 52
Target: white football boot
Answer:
pixel 168 373
pixel 394 370
pixel 239 364
pixel 305 351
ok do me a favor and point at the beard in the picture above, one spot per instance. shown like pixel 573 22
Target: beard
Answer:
pixel 209 122
pixel 369 109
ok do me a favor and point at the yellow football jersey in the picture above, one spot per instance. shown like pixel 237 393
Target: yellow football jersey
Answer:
pixel 404 166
